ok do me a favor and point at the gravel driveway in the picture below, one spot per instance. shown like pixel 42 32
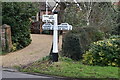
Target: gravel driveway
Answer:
pixel 39 47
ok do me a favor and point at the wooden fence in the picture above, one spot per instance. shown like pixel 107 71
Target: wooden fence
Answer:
pixel 6 41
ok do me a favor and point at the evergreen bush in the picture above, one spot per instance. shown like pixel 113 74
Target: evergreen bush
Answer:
pixel 71 47
pixel 77 41
pixel 104 53
pixel 17 16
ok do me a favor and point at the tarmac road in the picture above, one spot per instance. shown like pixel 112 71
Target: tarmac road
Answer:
pixel 6 75
pixel 11 74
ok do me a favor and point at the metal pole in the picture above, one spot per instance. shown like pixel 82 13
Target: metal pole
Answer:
pixel 55 38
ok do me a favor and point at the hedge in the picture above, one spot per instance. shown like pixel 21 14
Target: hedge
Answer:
pixel 17 14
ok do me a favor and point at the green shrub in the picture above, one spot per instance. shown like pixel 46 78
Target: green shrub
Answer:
pixel 76 42
pixel 17 16
pixel 104 53
pixel 116 30
pixel 71 47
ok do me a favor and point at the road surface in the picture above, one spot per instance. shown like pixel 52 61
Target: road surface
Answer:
pixel 6 75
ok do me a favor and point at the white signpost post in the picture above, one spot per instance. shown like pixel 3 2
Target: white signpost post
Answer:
pixel 55 28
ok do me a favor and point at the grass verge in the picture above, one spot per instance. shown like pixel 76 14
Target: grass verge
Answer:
pixel 69 68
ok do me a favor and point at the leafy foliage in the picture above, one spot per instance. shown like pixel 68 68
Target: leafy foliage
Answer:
pixel 74 16
pixel 116 30
pixel 101 16
pixel 96 14
pixel 104 53
pixel 71 47
pixel 76 42
pixel 17 16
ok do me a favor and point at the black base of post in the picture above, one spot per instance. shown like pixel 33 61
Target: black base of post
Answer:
pixel 55 57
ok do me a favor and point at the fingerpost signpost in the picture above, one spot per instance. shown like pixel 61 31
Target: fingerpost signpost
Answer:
pixel 49 19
